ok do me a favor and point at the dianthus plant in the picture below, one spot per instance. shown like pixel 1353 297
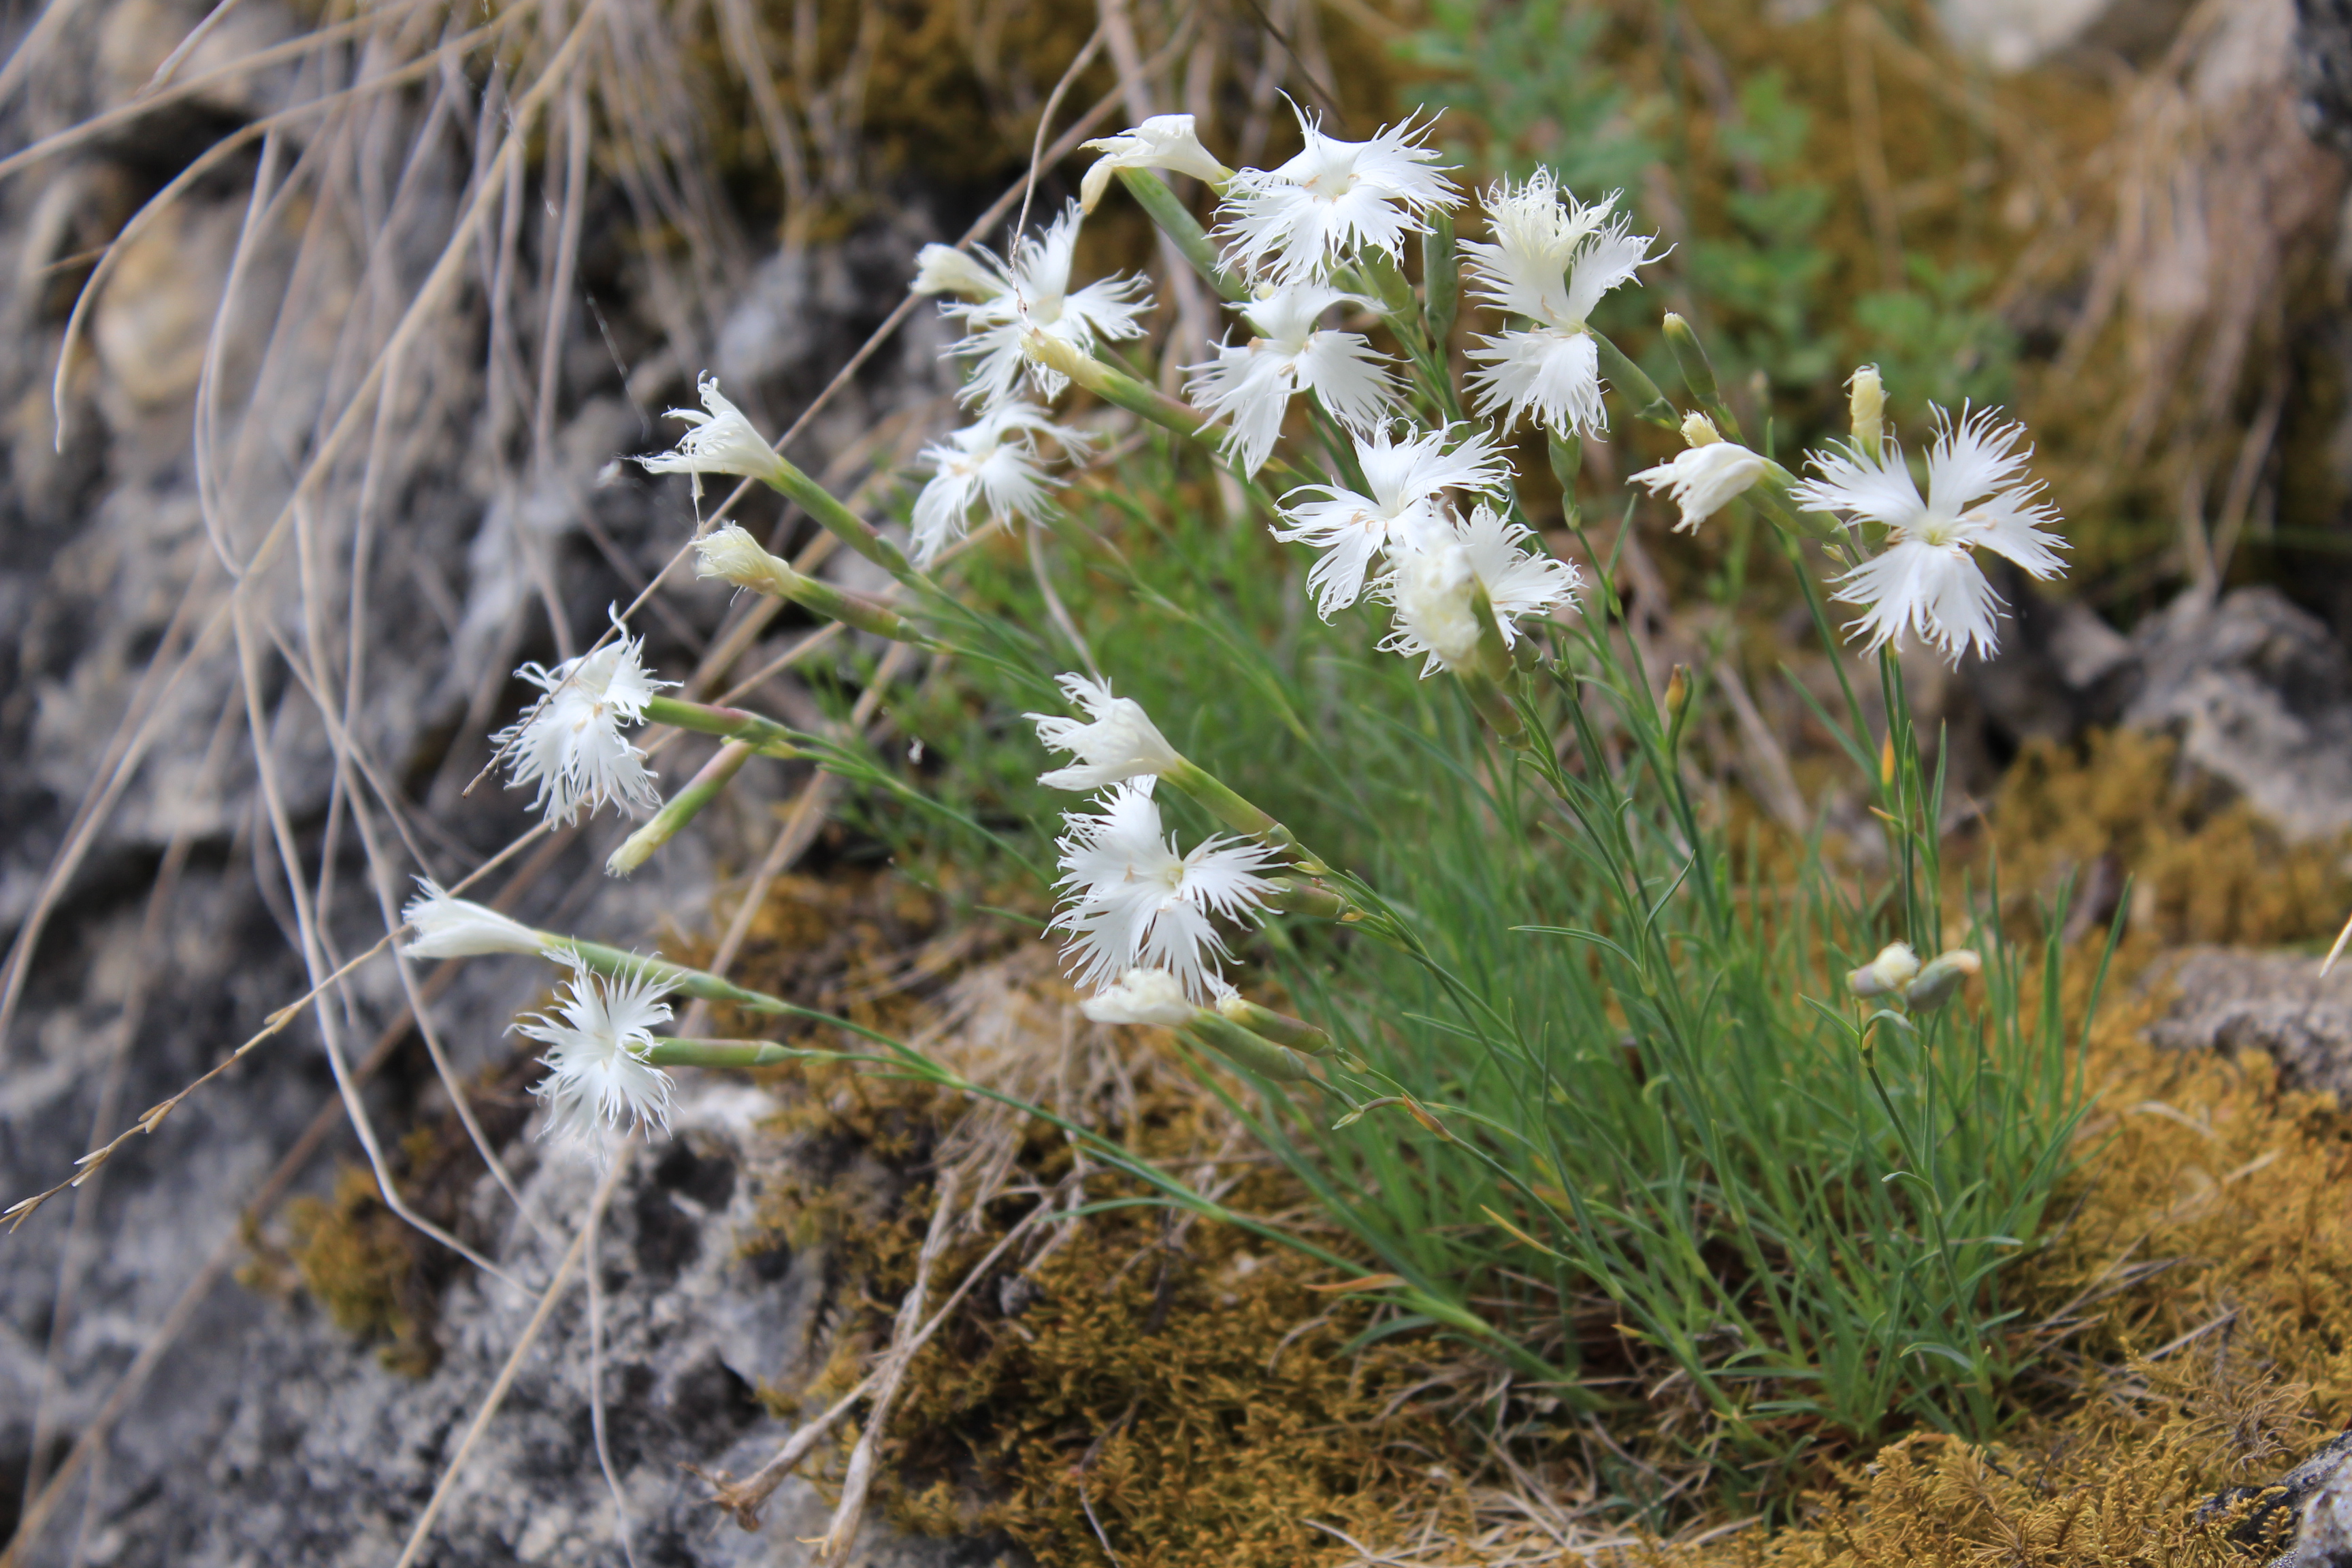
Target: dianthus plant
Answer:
pixel 1633 1086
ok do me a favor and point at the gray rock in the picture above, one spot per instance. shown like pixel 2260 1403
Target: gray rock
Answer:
pixel 2260 694
pixel 303 1451
pixel 2317 1493
pixel 267 1435
pixel 2257 691
pixel 2232 1001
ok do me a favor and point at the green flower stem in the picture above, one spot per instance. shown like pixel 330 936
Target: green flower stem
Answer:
pixel 1280 1027
pixel 1567 453
pixel 681 809
pixel 839 521
pixel 1698 375
pixel 669 1052
pixel 1385 281
pixel 696 982
pixel 1312 898
pixel 1245 1049
pixel 1220 802
pixel 1441 277
pixel 1633 385
pixel 1116 386
pixel 1159 204
pixel 774 577
pixel 771 739
pixel 1494 705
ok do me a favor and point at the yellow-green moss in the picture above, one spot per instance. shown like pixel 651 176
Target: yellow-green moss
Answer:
pixel 357 1259
pixel 2202 870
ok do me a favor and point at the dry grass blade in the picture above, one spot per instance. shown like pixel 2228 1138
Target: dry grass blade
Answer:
pixel 905 1339
pixel 217 1265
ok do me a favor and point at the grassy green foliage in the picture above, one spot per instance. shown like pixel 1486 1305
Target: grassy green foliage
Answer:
pixel 1631 1128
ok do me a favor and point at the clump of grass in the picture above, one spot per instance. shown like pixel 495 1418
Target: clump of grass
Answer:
pixel 2197 1328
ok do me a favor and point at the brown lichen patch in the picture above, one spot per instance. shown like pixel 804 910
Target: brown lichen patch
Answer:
pixel 2203 869
pixel 1175 1388
pixel 1187 1406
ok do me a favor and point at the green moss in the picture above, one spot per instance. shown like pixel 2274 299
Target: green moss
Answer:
pixel 357 1260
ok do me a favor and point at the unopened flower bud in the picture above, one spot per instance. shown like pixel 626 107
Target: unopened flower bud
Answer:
pixel 1268 1024
pixel 1941 977
pixel 1889 972
pixel 1866 400
pixel 1690 358
pixel 944 269
pixel 732 554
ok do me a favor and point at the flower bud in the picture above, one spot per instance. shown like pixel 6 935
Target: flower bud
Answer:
pixel 1889 972
pixel 731 553
pixel 1677 699
pixel 1268 1024
pixel 1941 977
pixel 1866 400
pixel 944 269
pixel 1690 358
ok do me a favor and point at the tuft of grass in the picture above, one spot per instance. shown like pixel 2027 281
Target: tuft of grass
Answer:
pixel 1633 1143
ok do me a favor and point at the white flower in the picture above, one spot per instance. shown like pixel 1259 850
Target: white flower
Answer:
pixel 1551 263
pixel 597 1070
pixel 1142 996
pixel 449 927
pixel 570 741
pixel 721 441
pixel 1436 567
pixel 1890 972
pixel 1408 479
pixel 1134 902
pixel 944 269
pixel 1333 201
pixel 1253 381
pixel 1032 294
pixel 1114 742
pixel 1162 142
pixel 1704 479
pixel 991 462
pixel 1926 579
pixel 1433 588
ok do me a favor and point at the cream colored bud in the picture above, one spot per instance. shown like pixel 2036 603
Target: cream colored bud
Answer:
pixel 1866 400
pixel 1699 430
pixel 944 269
pixel 1940 978
pixel 1889 972
pixel 731 553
